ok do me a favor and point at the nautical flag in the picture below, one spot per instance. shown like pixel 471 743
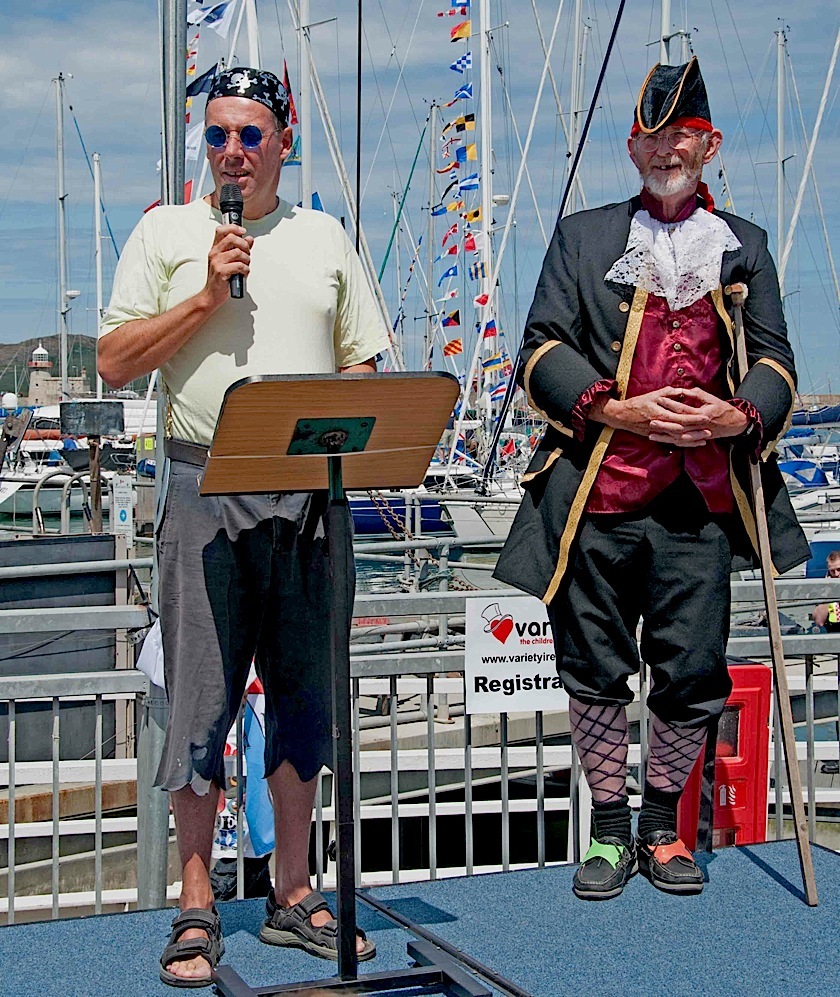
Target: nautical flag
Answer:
pixel 450 232
pixel 462 30
pixel 453 347
pixel 454 183
pixel 217 16
pixel 469 183
pixel 451 272
pixel 439 209
pixel 192 142
pixel 455 206
pixel 293 159
pixel 462 63
pixel 492 363
pixel 293 118
pixel 453 318
pixel 460 3
pixel 481 300
pixel 461 9
pixel 449 168
pixel 473 241
pixel 478 271
pixel 449 294
pixel 498 392
pixel 202 84
pixel 466 123
pixel 490 329
pixel 452 251
pixel 463 93
pixel 509 449
pixel 466 152
pixel 473 216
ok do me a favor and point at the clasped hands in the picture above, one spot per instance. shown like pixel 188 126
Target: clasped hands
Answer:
pixel 677 417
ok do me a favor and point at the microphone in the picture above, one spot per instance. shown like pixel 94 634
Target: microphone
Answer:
pixel 230 204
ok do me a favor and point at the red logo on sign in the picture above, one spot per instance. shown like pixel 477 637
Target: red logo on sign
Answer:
pixel 499 625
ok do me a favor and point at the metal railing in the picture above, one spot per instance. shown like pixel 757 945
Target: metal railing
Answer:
pixel 438 792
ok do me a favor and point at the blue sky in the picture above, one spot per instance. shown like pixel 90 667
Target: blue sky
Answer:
pixel 111 48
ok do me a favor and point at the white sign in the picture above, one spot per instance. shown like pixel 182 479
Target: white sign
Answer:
pixel 122 507
pixel 509 657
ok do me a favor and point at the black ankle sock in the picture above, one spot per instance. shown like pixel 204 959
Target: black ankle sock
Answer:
pixel 612 820
pixel 659 811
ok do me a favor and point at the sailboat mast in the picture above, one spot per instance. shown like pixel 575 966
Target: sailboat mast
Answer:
pixel 574 105
pixel 63 302
pixel 780 150
pixel 97 251
pixel 665 33
pixel 253 33
pixel 305 111
pixel 174 36
pixel 428 336
pixel 486 115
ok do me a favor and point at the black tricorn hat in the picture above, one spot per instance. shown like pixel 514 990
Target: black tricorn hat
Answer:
pixel 670 93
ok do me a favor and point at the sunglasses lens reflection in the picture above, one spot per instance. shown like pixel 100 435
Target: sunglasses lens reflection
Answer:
pixel 216 137
pixel 250 136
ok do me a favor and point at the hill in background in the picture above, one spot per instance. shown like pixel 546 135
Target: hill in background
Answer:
pixel 82 356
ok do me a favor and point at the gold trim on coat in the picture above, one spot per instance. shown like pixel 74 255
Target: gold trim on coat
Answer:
pixel 717 299
pixel 538 353
pixel 785 375
pixel 552 457
pixel 622 376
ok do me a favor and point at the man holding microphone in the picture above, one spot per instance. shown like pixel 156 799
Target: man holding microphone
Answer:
pixel 242 577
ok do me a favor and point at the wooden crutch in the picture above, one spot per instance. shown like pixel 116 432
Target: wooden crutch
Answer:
pixel 738 293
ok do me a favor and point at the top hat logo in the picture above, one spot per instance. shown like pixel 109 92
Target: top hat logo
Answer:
pixel 498 624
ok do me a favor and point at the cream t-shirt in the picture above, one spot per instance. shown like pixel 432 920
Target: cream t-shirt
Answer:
pixel 307 308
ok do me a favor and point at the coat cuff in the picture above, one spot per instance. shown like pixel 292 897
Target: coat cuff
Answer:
pixel 581 408
pixel 753 435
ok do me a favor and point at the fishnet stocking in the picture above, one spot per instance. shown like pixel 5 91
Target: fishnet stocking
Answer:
pixel 673 752
pixel 600 736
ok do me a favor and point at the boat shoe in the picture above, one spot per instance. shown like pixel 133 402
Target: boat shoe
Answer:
pixel 668 864
pixel 292 926
pixel 606 867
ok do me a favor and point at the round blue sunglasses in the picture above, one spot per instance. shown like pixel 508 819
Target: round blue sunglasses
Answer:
pixel 250 136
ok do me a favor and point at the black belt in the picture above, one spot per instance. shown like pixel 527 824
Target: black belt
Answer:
pixel 187 453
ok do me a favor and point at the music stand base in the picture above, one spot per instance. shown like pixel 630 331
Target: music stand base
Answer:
pixel 434 969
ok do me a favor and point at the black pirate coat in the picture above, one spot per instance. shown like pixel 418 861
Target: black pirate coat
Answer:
pixel 582 329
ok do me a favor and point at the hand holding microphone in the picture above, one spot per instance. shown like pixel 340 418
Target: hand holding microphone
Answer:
pixel 230 256
pixel 230 204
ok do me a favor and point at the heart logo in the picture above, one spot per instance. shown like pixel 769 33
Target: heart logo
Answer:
pixel 501 628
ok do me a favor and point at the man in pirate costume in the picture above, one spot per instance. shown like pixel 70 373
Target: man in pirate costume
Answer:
pixel 242 577
pixel 636 501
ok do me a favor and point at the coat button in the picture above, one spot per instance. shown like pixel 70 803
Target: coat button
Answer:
pixel 677 347
pixel 616 347
pixel 681 371
pixel 624 307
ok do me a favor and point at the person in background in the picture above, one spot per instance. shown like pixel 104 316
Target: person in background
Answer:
pixel 827 614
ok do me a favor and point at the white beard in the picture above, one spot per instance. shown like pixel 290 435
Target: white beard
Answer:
pixel 661 185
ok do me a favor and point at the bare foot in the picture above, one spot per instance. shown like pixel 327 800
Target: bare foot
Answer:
pixel 319 918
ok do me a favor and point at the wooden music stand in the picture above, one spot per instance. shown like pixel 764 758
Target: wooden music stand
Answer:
pixel 287 433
